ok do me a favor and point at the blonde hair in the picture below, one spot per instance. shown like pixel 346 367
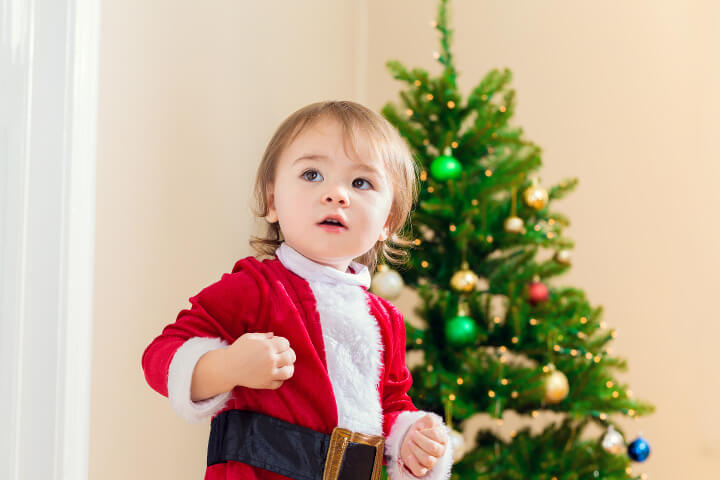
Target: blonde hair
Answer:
pixel 384 140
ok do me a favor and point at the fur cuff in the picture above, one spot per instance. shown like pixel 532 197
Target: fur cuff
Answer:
pixel 180 380
pixel 393 442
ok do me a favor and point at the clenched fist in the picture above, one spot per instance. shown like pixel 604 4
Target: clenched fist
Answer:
pixel 259 360
pixel 423 445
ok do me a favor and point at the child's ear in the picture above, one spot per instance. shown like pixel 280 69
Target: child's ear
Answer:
pixel 383 234
pixel 271 216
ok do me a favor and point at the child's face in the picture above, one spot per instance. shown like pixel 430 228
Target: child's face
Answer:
pixel 307 190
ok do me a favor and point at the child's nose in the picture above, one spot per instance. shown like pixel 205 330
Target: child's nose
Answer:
pixel 337 194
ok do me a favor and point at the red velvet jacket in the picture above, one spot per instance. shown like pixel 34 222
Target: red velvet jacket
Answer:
pixel 266 296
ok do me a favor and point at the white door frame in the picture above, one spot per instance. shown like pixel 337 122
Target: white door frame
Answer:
pixel 48 111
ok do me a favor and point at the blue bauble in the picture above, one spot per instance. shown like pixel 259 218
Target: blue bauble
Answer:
pixel 639 449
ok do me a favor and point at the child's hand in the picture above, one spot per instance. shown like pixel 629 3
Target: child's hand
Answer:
pixel 423 444
pixel 259 360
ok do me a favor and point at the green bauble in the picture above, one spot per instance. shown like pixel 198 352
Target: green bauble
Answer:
pixel 461 330
pixel 446 167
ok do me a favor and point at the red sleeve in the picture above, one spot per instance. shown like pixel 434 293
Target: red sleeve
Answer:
pixel 397 378
pixel 222 310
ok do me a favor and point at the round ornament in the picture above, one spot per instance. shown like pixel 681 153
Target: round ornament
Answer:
pixel 514 224
pixel 446 167
pixel 613 441
pixel 458 444
pixel 538 292
pixel 464 280
pixel 562 256
pixel 535 196
pixel 556 386
pixel 461 329
pixel 386 282
pixel 639 449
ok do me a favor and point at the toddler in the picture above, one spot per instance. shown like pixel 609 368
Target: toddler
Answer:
pixel 299 367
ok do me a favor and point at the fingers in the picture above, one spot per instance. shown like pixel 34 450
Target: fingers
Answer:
pixel 414 465
pixel 427 445
pixel 437 434
pixel 286 358
pixel 280 343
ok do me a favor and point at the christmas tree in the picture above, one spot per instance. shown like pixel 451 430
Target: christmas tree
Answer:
pixel 498 337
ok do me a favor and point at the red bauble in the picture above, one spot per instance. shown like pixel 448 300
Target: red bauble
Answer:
pixel 538 292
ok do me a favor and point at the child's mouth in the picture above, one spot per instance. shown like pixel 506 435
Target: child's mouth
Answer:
pixel 332 226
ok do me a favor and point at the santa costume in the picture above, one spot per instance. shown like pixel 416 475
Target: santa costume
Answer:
pixel 350 367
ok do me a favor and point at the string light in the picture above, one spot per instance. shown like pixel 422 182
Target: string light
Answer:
pixel 514 394
pixel 452 228
pixel 502 108
pixel 423 175
pixel 417 241
pixel 504 381
pixel 431 189
pixel 609 384
pixel 583 320
pixel 452 397
pixel 418 341
pixel 534 413
pixel 459 381
pixel 545 368
pixel 615 394
pixel 556 348
pixel 409 112
pixel 418 83
pixel 429 96
pixel 514 339
pixel 454 144
pixel 602 416
pixel 424 264
pixel 474 201
pixel 430 368
pixel 533 322
pixel 589 355
pixel 491 394
pixel 488 173
pixel 451 104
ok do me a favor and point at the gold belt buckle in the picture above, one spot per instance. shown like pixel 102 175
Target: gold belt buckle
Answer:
pixel 336 451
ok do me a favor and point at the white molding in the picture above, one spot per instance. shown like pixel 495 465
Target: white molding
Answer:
pixel 48 105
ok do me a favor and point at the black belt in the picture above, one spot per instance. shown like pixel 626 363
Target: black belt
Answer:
pixel 292 450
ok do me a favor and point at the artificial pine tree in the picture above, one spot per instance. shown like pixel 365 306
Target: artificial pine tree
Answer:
pixel 498 336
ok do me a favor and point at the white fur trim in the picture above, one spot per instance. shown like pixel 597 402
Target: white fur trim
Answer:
pixel 353 352
pixel 180 380
pixel 393 442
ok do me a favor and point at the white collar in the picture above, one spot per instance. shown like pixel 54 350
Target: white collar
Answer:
pixel 313 271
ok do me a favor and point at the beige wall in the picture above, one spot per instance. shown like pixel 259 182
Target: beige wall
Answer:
pixel 622 95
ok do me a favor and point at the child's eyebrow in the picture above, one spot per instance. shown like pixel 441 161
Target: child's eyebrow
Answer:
pixel 357 166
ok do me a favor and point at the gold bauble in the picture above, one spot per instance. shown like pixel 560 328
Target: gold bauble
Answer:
pixel 562 256
pixel 386 282
pixel 536 196
pixel 514 225
pixel 556 386
pixel 464 280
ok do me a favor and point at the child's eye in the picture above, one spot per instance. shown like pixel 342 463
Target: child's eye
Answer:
pixel 362 180
pixel 311 175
